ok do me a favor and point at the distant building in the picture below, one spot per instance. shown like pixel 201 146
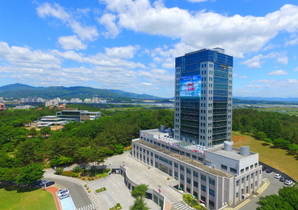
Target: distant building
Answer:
pixel 78 115
pixel 1 99
pixel 75 100
pixel 2 107
pixel 53 102
pixel 47 121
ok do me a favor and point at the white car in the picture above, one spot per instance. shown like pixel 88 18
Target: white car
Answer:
pixel 62 192
pixel 277 176
pixel 289 182
pixel 62 196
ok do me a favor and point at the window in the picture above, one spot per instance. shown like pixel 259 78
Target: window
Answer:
pixel 203 188
pixel 188 180
pixel 211 192
pixel 211 181
pixel 195 184
pixel 181 177
pixel 224 167
pixel 182 168
pixel 242 181
pixel 195 174
pixel 233 170
pixel 176 174
pixel 246 169
pixel 237 182
pixel 203 177
pixel 176 165
pixel 237 194
pixel 188 171
pixel 242 170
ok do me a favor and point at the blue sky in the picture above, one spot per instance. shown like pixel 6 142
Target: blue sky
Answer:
pixel 131 45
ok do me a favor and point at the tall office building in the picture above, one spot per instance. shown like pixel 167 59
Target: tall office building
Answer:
pixel 203 95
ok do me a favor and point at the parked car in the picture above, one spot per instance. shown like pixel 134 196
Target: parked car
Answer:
pixel 277 176
pixel 36 183
pixel 282 179
pixel 62 191
pixel 62 196
pixel 289 182
pixel 43 182
pixel 49 183
pixel 263 168
pixel 268 170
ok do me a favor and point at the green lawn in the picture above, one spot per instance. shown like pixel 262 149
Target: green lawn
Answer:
pixel 277 158
pixel 13 199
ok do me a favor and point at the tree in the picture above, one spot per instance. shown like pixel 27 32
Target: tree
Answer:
pixel 32 132
pixel 45 131
pixel 139 191
pixel 287 199
pixel 290 195
pixel 273 202
pixel 30 173
pixel 139 204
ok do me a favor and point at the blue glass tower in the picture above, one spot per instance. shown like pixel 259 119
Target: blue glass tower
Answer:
pixel 203 97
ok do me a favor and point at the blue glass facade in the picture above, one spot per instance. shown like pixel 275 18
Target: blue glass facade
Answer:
pixel 206 119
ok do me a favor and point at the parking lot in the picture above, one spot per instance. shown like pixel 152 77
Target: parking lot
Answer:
pixel 273 188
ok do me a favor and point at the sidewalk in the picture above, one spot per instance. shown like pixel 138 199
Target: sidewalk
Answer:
pixel 53 191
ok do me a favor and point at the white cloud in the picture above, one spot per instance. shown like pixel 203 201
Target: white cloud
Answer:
pixel 22 56
pixel 272 88
pixel 295 69
pixel 277 72
pixel 108 21
pixel 71 42
pixel 158 77
pixel 243 77
pixel 292 42
pixel 122 52
pixel 257 60
pixel 55 10
pixel 203 29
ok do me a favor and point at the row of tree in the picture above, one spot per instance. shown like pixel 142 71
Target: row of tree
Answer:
pixel 279 129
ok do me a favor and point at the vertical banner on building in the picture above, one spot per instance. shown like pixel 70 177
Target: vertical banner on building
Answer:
pixel 190 86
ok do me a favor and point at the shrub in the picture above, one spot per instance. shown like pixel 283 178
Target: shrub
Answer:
pixel 75 175
pixel 59 170
pixel 100 190
pixel 77 169
pixel 67 173
pixel 107 170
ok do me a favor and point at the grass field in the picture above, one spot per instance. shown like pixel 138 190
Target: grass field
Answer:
pixel 13 199
pixel 277 158
pixel 285 110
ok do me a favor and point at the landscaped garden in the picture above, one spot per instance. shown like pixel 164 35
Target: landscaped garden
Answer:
pixel 15 198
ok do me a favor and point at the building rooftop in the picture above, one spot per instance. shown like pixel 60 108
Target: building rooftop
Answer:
pixel 186 160
pixel 233 154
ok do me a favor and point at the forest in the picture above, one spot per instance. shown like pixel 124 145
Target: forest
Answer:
pixel 271 127
pixel 23 150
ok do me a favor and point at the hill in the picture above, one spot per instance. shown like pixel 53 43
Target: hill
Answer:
pixel 23 91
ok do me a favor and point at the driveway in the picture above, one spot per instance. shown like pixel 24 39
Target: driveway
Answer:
pixel 273 188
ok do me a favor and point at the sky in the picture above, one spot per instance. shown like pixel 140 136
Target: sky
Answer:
pixel 131 45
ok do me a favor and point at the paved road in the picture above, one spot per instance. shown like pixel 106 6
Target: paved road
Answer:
pixel 78 194
pixel 273 188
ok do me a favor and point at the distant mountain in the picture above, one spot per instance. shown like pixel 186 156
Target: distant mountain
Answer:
pixel 278 99
pixel 23 91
